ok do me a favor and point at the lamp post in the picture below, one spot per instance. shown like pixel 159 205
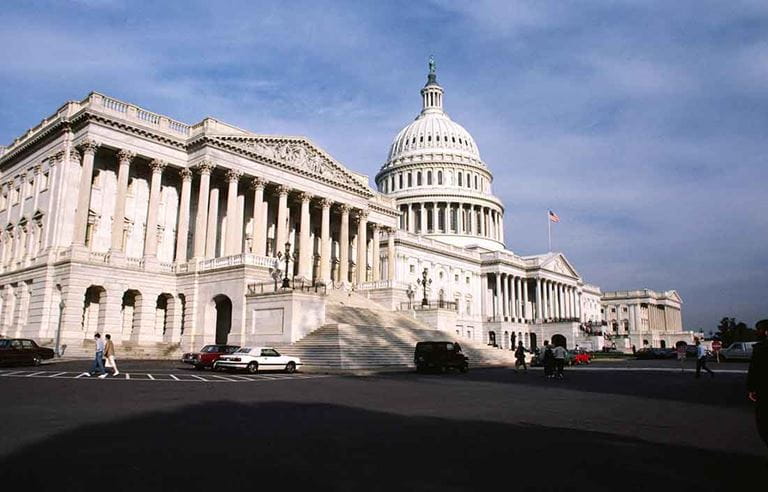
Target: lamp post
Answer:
pixel 424 281
pixel 286 282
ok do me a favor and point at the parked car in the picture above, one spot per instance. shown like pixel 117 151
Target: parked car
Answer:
pixel 255 359
pixel 656 353
pixel 737 351
pixel 580 357
pixel 440 356
pixel 19 351
pixel 208 355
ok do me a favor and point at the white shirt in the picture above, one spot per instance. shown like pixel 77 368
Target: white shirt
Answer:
pixel 559 352
pixel 99 345
pixel 701 351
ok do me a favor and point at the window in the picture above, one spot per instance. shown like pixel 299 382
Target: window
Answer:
pixel 44 180
pixel 469 183
pixel 439 177
pixel 441 275
pixel 269 353
pixel 410 180
pixel 467 281
pixel 412 269
pixel 418 178
pixel 15 195
pixel 3 201
pixel 469 313
pixel 460 179
pixel 476 186
pixel 429 177
pixel 27 344
pixel 456 278
pixel 421 139
pixel 401 181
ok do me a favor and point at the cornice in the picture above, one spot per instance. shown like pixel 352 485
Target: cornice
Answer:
pixel 446 197
pixel 422 165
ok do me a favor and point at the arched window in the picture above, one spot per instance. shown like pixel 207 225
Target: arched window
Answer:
pixel 429 178
pixel 476 185
pixel 469 183
pixel 400 176
pixel 460 175
pixel 410 180
pixel 439 177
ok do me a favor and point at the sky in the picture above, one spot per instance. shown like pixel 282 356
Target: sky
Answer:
pixel 643 125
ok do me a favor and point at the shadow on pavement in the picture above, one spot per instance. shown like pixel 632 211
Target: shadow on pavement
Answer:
pixel 724 390
pixel 232 446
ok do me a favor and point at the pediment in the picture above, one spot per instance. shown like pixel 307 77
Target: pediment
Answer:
pixel 673 295
pixel 558 263
pixel 298 155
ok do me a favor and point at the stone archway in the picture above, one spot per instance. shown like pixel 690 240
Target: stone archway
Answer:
pixel 559 340
pixel 534 342
pixel 492 338
pixel 94 309
pixel 223 307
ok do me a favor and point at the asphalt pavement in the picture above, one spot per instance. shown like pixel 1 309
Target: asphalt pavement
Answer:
pixel 645 426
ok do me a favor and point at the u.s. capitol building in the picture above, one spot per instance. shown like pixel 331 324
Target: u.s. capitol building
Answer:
pixel 170 236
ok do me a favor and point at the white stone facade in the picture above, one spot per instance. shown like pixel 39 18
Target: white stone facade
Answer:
pixel 163 234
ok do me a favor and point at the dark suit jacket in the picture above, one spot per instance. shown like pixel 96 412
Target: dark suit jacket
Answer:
pixel 757 380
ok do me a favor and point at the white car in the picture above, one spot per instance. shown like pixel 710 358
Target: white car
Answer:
pixel 255 359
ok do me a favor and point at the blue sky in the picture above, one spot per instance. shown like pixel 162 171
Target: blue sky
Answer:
pixel 644 125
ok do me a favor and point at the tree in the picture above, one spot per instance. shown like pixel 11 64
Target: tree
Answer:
pixel 729 331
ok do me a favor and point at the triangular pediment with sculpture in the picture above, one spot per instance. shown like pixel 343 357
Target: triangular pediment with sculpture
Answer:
pixel 558 263
pixel 299 155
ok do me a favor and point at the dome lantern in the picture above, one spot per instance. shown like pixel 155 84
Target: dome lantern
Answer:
pixel 432 93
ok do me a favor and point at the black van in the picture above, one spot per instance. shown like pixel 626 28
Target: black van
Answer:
pixel 440 356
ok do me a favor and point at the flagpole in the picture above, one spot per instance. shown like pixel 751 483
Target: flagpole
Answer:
pixel 549 232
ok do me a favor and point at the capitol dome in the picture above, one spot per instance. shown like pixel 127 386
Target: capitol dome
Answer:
pixel 440 183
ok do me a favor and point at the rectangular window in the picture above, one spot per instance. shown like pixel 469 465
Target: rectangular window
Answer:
pixel 44 181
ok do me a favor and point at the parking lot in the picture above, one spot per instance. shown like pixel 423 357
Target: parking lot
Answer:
pixel 598 429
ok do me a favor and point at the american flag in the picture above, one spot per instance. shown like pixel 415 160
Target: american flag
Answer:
pixel 553 217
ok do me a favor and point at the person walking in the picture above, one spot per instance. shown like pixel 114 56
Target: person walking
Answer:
pixel 559 354
pixel 548 359
pixel 520 357
pixel 98 361
pixel 757 379
pixel 701 359
pixel 109 354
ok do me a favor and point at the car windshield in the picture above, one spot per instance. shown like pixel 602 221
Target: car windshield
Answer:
pixel 243 350
pixel 4 343
pixel 210 348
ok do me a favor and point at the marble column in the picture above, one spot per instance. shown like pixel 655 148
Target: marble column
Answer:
pixel 305 247
pixel 410 226
pixel 496 313
pixel 118 217
pixel 376 261
pixel 518 299
pixel 230 246
pixel 423 218
pixel 201 221
pixel 390 254
pixel 344 244
pixel 259 233
pixel 538 314
pixel 459 219
pixel 447 218
pixel 362 246
pixel 504 296
pixel 471 220
pixel 213 224
pixel 150 235
pixel 281 228
pixel 325 241
pixel 89 148
pixel 435 222
pixel 524 312
pixel 182 230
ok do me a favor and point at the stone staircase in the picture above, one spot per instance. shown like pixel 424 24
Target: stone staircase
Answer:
pixel 360 334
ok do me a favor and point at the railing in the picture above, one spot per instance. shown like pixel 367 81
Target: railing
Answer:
pixel 237 260
pixel 137 263
pixel 147 117
pixel 429 306
pixel 294 285
pixel 97 257
pixel 382 284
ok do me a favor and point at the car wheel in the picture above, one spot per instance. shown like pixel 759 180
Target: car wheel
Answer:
pixel 253 368
pixel 36 360
pixel 290 368
pixel 464 368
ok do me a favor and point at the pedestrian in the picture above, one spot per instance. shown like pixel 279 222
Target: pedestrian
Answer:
pixel 701 358
pixel 559 354
pixel 548 359
pixel 757 379
pixel 520 357
pixel 634 350
pixel 98 361
pixel 109 354
pixel 681 355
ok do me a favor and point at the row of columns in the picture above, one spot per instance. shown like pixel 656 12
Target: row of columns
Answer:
pixel 456 218
pixel 556 300
pixel 512 295
pixel 206 220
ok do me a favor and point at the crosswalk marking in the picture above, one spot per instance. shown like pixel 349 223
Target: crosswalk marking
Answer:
pixel 179 377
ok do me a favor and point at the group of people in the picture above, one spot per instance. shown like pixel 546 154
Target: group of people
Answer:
pixel 552 358
pixel 105 353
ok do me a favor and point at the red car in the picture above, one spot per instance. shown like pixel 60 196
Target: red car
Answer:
pixel 208 355
pixel 581 357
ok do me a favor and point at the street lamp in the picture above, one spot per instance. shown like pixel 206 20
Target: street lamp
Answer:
pixel 424 282
pixel 286 283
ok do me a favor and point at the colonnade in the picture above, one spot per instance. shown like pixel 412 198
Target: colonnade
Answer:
pixel 550 300
pixel 283 211
pixel 452 218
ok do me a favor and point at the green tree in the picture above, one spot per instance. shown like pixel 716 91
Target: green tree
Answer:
pixel 729 331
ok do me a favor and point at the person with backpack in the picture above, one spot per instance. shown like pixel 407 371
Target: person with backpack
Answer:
pixel 559 354
pixel 520 357
pixel 548 360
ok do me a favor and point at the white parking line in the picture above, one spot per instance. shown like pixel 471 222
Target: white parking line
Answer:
pixel 81 375
pixel 200 378
pixel 174 377
pixel 222 377
pixel 127 375
pixel 182 378
pixel 56 374
pixel 34 374
pixel 12 373
pixel 150 377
